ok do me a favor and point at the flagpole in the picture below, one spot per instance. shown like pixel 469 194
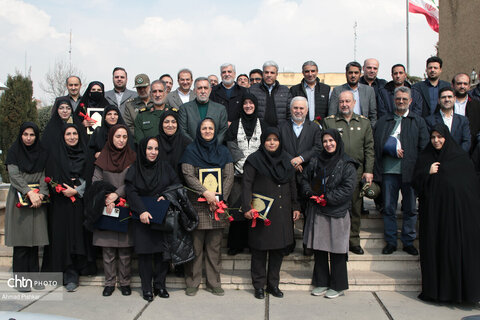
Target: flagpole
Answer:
pixel 408 42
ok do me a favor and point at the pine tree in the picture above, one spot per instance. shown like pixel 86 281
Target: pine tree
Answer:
pixel 16 107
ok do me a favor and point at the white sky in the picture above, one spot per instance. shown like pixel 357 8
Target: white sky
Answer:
pixel 156 37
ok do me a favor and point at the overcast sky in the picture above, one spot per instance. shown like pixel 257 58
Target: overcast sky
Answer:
pixel 156 37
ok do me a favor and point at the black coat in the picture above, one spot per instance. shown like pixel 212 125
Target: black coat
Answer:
pixel 413 137
pixel 179 241
pixel 306 145
pixel 460 128
pixel 386 104
pixel 322 92
pixel 280 96
pixel 422 88
pixel 338 189
pixel 279 234
pixel 233 104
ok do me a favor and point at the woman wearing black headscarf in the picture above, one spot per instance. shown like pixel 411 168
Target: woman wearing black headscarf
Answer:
pixel 268 172
pixel 111 166
pixel 65 166
pixel 242 139
pixel 62 113
pixel 205 152
pixel 26 227
pixel 93 97
pixel 149 177
pixel 331 176
pixel 171 142
pixel 448 190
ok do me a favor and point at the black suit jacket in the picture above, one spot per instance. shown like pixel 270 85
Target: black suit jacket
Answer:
pixel 306 145
pixel 460 128
pixel 234 104
pixel 422 88
pixel 322 91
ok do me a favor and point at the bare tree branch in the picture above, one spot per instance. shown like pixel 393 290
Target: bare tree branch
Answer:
pixel 55 79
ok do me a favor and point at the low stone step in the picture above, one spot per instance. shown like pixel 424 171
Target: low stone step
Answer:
pixel 401 280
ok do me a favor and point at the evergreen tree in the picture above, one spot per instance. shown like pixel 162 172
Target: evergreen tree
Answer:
pixel 16 107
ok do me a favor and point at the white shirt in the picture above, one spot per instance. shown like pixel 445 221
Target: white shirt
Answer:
pixel 460 107
pixel 297 128
pixel 184 97
pixel 447 120
pixel 311 100
pixel 356 96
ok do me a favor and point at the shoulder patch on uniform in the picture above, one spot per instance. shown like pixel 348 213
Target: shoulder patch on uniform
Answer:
pixel 142 109
pixel 331 117
pixel 130 100
pixel 174 109
pixel 363 117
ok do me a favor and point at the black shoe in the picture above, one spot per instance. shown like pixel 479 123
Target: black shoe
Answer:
pixel 388 249
pixel 275 291
pixel 162 293
pixel 147 295
pixel 365 212
pixel 356 249
pixel 259 294
pixel 108 290
pixel 307 252
pixel 411 250
pixel 126 290
pixel 233 252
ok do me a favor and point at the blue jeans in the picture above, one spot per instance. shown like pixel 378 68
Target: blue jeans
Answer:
pixel 391 185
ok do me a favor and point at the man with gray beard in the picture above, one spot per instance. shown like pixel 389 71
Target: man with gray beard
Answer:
pixel 302 139
pixel 228 92
pixel 138 104
pixel 146 123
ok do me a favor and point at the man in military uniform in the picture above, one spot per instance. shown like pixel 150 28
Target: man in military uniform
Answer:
pixel 146 123
pixel 138 104
pixel 357 137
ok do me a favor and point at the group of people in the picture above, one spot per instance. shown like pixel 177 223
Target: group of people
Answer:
pixel 166 171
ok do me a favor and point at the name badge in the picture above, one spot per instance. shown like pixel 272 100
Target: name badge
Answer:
pixel 114 214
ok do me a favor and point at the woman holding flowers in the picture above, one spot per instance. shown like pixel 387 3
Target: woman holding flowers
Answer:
pixel 65 174
pixel 203 153
pixel 26 225
pixel 111 166
pixel 268 172
pixel 328 182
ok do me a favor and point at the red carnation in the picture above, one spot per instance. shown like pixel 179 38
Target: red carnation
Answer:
pixel 318 118
pixel 59 188
pixel 48 179
pixel 267 222
pixel 230 218
pixel 18 205
pixel 82 104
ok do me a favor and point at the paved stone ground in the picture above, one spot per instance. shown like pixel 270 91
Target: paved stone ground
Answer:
pixel 88 303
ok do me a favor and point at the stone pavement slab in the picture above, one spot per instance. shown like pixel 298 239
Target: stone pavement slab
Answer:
pixel 236 304
pixel 88 303
pixel 302 305
pixel 406 305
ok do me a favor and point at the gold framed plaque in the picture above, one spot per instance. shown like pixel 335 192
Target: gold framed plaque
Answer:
pixel 25 201
pixel 262 203
pixel 211 179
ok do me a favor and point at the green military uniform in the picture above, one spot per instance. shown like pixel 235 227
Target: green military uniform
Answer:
pixel 146 124
pixel 358 140
pixel 132 107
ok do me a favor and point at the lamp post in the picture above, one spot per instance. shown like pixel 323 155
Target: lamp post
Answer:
pixel 474 77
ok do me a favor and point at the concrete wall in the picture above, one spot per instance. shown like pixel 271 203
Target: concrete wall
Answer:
pixel 459 37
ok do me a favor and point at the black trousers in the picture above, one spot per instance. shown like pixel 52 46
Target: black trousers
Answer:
pixel 72 272
pixel 335 277
pixel 260 276
pixel 238 234
pixel 152 267
pixel 25 259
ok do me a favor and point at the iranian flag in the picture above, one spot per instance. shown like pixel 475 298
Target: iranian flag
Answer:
pixel 428 8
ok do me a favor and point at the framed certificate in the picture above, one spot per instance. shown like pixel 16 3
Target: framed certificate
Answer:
pixel 211 179
pixel 95 114
pixel 262 203
pixel 117 220
pixel 25 201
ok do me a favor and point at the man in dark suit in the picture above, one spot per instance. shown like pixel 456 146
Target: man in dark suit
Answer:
pixel 467 106
pixel 457 124
pixel 429 88
pixel 311 88
pixel 228 92
pixel 301 139
pixel 191 113
pixel 120 94
pixel 369 78
pixel 364 95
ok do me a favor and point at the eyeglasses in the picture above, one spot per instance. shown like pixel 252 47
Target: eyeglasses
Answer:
pixel 401 99
pixel 255 79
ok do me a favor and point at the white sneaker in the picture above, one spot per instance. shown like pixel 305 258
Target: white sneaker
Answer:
pixel 319 291
pixel 331 294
